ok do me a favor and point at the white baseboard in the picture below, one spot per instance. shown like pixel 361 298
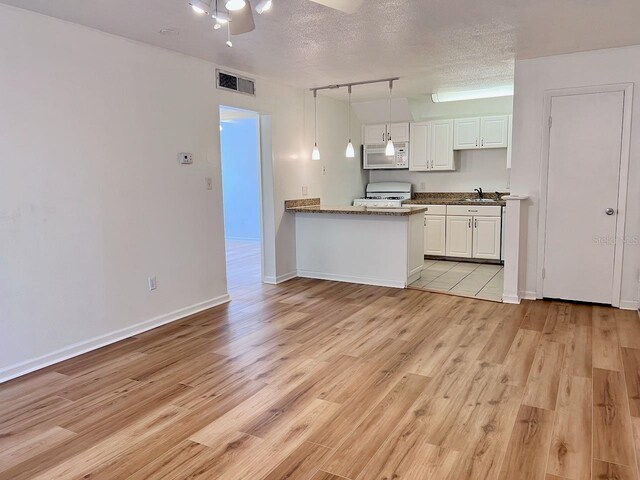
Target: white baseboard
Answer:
pixel 271 280
pixel 350 279
pixel 629 305
pixel 19 369
pixel 528 295
pixel 513 299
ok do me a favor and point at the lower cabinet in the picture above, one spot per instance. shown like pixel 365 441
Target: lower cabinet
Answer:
pixel 486 237
pixel 459 236
pixel 434 234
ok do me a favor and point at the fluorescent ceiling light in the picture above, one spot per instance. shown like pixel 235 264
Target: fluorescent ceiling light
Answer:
pixel 199 6
pixel 233 5
pixel 503 91
pixel 264 6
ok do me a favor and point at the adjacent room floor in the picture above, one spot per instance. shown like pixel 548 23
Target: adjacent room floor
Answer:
pixel 480 280
pixel 323 380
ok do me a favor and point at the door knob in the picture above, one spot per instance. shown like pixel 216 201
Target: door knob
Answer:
pixel 609 211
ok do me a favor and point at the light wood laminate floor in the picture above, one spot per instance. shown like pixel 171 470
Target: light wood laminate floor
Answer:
pixel 317 380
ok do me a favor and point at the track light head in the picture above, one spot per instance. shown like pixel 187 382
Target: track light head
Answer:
pixel 200 7
pixel 264 6
pixel 234 5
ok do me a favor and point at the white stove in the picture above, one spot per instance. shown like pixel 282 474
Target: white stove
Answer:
pixel 385 195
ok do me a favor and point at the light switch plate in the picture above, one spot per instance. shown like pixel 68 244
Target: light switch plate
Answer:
pixel 305 190
pixel 209 183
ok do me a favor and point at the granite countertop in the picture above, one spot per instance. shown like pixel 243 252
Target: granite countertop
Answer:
pixel 349 210
pixel 454 198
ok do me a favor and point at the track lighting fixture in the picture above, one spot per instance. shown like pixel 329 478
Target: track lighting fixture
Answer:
pixel 234 5
pixel 390 151
pixel 350 152
pixel 200 7
pixel 264 6
pixel 315 154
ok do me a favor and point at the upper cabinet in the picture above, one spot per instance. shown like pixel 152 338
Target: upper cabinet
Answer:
pixel 377 134
pixel 466 133
pixel 481 132
pixel 442 145
pixel 431 146
pixel 374 134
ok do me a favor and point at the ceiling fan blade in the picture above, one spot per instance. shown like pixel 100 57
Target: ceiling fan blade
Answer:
pixel 346 6
pixel 242 20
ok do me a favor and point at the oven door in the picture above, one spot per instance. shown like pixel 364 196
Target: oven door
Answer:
pixel 375 158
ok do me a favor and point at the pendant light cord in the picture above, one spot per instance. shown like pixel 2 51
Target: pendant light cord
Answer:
pixel 315 117
pixel 390 88
pixel 349 127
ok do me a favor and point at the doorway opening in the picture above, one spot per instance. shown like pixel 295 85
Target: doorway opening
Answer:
pixel 241 195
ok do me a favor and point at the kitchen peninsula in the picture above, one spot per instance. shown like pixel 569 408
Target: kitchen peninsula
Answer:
pixel 373 246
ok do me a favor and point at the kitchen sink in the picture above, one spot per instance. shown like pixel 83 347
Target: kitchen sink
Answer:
pixel 482 200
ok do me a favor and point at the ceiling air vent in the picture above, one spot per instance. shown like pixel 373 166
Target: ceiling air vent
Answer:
pixel 229 81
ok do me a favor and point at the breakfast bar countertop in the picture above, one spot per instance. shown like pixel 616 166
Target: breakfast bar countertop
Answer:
pixel 312 205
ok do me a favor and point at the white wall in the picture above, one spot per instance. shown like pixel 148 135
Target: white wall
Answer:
pixel 475 168
pixel 92 199
pixel 532 79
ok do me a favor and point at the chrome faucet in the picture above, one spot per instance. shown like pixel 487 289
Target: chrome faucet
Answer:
pixel 480 192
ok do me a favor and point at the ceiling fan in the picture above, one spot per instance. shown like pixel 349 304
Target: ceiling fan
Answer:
pixel 239 14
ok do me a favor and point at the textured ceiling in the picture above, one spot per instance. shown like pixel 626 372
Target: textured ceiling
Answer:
pixel 431 44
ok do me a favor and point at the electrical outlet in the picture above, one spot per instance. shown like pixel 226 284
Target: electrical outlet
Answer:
pixel 209 182
pixel 305 190
pixel 153 283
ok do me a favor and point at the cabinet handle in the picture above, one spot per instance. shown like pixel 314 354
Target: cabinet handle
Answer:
pixel 482 142
pixel 476 142
pixel 382 137
pixel 469 223
pixel 475 223
pixel 425 221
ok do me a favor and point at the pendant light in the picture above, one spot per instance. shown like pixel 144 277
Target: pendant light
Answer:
pixel 229 44
pixel 390 151
pixel 350 153
pixel 315 155
pixel 235 5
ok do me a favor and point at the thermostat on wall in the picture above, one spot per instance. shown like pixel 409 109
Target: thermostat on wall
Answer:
pixel 185 158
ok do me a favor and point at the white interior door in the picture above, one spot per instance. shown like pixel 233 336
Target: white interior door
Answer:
pixel 582 196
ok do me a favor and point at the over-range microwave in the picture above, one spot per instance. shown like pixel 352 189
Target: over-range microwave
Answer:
pixel 374 157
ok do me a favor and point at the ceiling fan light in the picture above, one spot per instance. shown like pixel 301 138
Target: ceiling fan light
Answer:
pixel 390 151
pixel 350 152
pixel 264 6
pixel 199 6
pixel 234 5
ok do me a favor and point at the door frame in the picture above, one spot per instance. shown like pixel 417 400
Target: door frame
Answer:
pixel 623 179
pixel 258 117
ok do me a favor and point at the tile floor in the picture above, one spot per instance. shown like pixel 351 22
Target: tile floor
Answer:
pixel 480 280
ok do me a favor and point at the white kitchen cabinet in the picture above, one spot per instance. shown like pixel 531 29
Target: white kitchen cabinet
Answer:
pixel 400 132
pixel 442 158
pixel 434 234
pixel 420 150
pixel 459 236
pixel 466 133
pixel 510 137
pixel 481 132
pixel 486 237
pixel 494 132
pixel 374 134
pixel 377 134
pixel 432 146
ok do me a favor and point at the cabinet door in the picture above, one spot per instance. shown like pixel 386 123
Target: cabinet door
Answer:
pixel 420 151
pixel 434 235
pixel 509 140
pixel 374 134
pixel 459 236
pixel 399 132
pixel 486 237
pixel 494 132
pixel 466 133
pixel 442 145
